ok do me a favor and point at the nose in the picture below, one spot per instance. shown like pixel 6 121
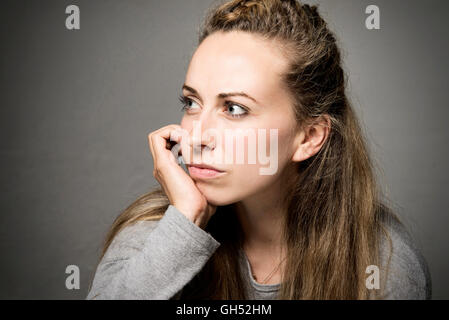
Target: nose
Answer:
pixel 201 136
pixel 203 131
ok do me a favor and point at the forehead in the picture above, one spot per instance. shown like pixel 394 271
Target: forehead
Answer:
pixel 236 61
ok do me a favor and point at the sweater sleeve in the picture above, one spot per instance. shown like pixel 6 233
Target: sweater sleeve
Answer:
pixel 408 276
pixel 153 260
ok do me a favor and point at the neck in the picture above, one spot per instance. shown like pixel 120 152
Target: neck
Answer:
pixel 261 217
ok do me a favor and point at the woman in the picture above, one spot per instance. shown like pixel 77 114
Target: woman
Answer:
pixel 312 228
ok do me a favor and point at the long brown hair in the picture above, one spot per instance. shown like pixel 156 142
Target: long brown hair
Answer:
pixel 335 214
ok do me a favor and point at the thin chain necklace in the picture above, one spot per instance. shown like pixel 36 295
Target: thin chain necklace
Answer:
pixel 271 273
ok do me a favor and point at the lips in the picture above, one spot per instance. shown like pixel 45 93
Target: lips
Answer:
pixel 205 166
pixel 205 172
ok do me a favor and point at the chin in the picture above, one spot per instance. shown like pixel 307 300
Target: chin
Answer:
pixel 215 196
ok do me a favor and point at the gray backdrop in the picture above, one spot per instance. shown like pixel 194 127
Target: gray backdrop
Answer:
pixel 76 108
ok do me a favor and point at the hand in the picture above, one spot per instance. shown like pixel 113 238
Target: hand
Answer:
pixel 177 184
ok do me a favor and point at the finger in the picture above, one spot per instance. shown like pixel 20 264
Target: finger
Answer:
pixel 171 135
pixel 153 134
pixel 175 136
pixel 161 143
pixel 150 144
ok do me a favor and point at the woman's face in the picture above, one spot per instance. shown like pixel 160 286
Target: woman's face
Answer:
pixel 238 62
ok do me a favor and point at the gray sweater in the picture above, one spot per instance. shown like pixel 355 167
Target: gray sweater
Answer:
pixel 156 259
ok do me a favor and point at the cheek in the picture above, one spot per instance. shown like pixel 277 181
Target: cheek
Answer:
pixel 255 149
pixel 271 154
pixel 284 145
pixel 276 146
pixel 242 182
pixel 245 179
pixel 185 124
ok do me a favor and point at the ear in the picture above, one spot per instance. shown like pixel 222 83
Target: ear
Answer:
pixel 311 138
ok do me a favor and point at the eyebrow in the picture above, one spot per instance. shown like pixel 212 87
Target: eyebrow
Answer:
pixel 221 95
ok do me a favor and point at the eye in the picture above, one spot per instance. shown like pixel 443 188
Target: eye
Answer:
pixel 234 113
pixel 185 102
pixel 240 110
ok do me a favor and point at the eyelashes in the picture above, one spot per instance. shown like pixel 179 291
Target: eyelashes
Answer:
pixel 185 101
